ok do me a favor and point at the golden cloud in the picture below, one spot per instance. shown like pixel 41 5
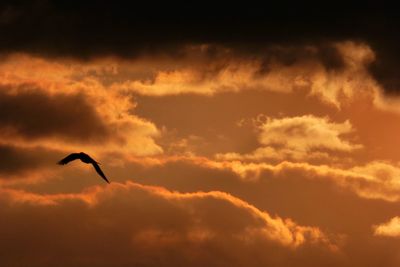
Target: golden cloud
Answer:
pixel 105 86
pixel 389 229
pixel 129 219
pixel 66 103
pixel 374 180
pixel 228 72
pixel 298 138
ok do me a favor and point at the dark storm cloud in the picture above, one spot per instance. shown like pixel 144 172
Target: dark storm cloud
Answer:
pixel 91 28
pixel 33 114
pixel 17 160
pixel 97 27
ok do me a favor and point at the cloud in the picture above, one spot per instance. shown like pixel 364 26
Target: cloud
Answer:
pixel 303 69
pixel 86 33
pixel 389 229
pixel 278 68
pixel 33 114
pixel 60 105
pixel 373 180
pixel 298 138
pixel 234 77
pixel 105 85
pixel 21 162
pixel 74 30
pixel 131 224
pixel 152 85
pixel 335 72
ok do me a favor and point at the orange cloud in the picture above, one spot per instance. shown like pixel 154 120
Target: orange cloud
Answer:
pixel 67 99
pixel 132 222
pixel 107 84
pixel 231 73
pixel 282 231
pixel 389 229
pixel 374 180
pixel 226 71
pixel 298 138
pixel 97 106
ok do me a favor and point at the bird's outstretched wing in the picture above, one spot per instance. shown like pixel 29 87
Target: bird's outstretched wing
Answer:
pixel 69 158
pixel 99 171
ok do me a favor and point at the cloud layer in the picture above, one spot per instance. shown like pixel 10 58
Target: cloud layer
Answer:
pixel 257 152
pixel 388 229
pixel 298 138
pixel 96 229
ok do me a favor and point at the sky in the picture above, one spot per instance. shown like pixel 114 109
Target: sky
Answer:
pixel 257 135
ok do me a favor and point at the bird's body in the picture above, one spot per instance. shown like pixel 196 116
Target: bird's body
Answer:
pixel 86 159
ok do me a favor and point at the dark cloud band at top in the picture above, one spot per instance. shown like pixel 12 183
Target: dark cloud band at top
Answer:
pixel 97 28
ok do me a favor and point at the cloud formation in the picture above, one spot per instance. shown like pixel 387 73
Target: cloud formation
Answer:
pixel 22 161
pixel 33 114
pixel 58 104
pixel 96 229
pixel 155 100
pixel 374 180
pixel 74 30
pixel 279 69
pixel 388 229
pixel 298 138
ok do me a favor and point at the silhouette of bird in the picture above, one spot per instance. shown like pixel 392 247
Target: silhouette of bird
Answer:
pixel 86 159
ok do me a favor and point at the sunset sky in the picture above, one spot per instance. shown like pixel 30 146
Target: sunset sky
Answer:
pixel 232 135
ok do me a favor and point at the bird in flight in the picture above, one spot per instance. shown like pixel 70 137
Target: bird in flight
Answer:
pixel 86 159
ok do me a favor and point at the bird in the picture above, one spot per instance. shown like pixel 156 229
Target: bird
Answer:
pixel 86 159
